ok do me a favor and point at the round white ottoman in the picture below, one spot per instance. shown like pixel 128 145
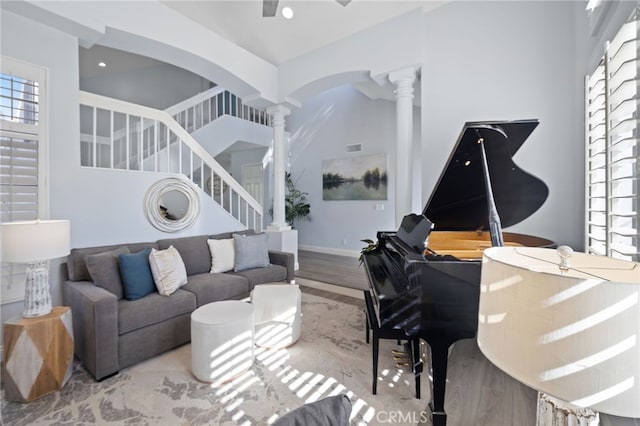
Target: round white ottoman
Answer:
pixel 278 314
pixel 222 340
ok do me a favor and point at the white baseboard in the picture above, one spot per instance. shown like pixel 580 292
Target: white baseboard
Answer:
pixel 345 291
pixel 329 250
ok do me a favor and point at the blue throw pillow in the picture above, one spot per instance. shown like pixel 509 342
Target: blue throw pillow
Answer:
pixel 135 271
pixel 252 251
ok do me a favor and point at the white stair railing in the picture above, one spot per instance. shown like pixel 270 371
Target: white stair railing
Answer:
pixel 123 136
pixel 203 108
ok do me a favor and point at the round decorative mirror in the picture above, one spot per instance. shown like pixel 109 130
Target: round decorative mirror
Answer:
pixel 172 204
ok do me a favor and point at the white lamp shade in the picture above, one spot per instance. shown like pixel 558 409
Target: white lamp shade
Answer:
pixel 574 335
pixel 34 240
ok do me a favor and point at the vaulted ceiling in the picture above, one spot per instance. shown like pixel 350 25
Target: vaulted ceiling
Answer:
pixel 315 23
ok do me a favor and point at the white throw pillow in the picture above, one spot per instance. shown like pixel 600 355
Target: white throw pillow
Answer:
pixel 223 255
pixel 168 270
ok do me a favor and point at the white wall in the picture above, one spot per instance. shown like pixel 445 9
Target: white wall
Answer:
pixel 504 61
pixel 375 52
pixel 58 53
pixel 320 130
pixel 226 130
pixel 156 87
pixel 104 206
pixel 152 29
pixel 481 61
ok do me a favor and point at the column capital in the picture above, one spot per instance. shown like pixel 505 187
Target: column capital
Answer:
pixel 405 75
pixel 278 111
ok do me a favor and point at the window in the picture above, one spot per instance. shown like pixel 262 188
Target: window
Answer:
pixel 22 157
pixel 612 148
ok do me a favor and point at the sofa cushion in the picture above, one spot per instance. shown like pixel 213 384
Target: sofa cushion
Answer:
pixel 221 236
pixel 137 279
pixel 168 270
pixel 271 273
pixel 76 266
pixel 194 251
pixel 252 251
pixel 214 287
pixel 152 309
pixel 104 271
pixel 223 256
pixel 330 411
pixel 227 235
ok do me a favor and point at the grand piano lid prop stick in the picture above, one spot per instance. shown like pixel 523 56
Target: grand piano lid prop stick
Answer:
pixel 433 294
pixel 460 200
pixel 494 218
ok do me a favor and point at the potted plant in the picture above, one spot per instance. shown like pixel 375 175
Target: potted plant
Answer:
pixel 371 246
pixel 296 206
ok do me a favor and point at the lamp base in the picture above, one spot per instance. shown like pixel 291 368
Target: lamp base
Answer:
pixel 37 298
pixel 555 412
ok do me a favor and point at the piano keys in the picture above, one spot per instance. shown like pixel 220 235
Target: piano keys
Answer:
pixel 425 277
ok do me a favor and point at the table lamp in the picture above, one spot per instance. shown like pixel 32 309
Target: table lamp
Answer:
pixel 566 325
pixel 35 242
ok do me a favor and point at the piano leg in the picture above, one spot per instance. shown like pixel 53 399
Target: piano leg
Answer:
pixel 417 363
pixel 439 358
pixel 374 350
pixel 367 328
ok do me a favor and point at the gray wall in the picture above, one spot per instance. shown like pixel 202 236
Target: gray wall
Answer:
pixel 156 87
pixel 320 130
pixel 506 61
pixel 481 61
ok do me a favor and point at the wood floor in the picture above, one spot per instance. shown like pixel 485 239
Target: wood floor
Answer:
pixel 477 393
pixel 338 270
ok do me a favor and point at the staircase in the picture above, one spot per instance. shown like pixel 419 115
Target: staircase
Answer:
pixel 120 135
pixel 201 109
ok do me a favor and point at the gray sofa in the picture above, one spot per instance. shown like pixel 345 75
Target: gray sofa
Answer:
pixel 112 332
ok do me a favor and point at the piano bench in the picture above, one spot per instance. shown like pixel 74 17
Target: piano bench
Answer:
pixel 377 332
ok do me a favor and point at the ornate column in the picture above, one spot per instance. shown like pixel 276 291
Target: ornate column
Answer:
pixel 281 236
pixel 403 80
pixel 278 113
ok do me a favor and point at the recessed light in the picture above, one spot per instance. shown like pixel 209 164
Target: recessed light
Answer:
pixel 287 12
pixel 102 64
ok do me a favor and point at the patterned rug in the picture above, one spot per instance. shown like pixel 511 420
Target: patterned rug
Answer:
pixel 330 358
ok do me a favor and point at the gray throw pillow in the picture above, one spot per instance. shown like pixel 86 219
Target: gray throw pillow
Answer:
pixel 330 411
pixel 252 251
pixel 104 270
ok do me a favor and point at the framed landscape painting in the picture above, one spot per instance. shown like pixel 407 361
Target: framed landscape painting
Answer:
pixel 355 178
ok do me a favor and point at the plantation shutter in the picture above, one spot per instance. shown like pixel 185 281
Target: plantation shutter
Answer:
pixel 613 196
pixel 18 177
pixel 596 219
pixel 20 164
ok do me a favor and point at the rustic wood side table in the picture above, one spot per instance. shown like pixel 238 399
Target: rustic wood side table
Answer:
pixel 38 355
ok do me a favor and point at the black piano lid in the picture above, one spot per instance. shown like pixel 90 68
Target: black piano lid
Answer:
pixel 459 201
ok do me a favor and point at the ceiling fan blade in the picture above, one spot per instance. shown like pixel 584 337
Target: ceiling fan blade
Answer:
pixel 344 2
pixel 270 7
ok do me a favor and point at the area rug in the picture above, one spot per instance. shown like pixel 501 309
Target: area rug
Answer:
pixel 331 357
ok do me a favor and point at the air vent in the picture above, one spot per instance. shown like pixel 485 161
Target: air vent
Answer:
pixel 356 147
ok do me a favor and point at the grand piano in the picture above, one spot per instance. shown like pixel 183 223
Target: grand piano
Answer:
pixel 425 277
